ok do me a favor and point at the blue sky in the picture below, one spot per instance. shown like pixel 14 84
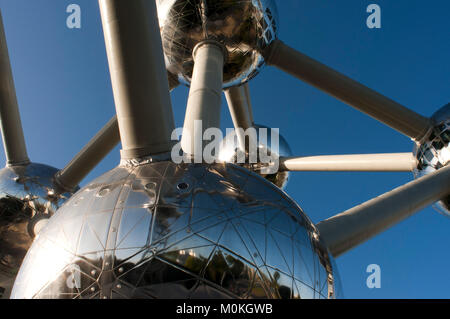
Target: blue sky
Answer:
pixel 65 97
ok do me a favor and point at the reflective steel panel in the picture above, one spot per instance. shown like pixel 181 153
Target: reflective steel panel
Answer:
pixel 27 200
pixel 244 28
pixel 230 152
pixel 161 230
pixel 434 152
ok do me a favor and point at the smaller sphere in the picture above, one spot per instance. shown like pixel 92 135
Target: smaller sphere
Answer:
pixel 434 152
pixel 245 28
pixel 230 152
pixel 27 200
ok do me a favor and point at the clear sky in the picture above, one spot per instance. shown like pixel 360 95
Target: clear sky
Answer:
pixel 65 97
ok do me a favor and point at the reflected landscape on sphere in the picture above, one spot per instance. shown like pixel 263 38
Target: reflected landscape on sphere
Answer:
pixel 27 200
pixel 245 28
pixel 162 230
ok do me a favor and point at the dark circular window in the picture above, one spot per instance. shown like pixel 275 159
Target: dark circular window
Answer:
pixel 183 186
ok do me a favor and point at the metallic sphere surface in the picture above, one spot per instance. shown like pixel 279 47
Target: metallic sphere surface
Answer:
pixel 434 152
pixel 244 28
pixel 162 230
pixel 230 152
pixel 27 200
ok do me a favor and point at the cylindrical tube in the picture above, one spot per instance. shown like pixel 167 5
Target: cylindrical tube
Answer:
pixel 205 97
pixel 347 90
pixel 89 157
pixel 357 225
pixel 397 162
pixel 240 110
pixel 94 152
pixel 239 106
pixel 139 78
pixel 11 125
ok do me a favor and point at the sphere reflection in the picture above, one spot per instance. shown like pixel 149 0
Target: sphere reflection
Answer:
pixel 244 28
pixel 163 230
pixel 231 152
pixel 434 153
pixel 27 200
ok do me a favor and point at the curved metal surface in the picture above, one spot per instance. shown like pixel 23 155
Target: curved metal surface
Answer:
pixel 433 153
pixel 245 28
pixel 231 152
pixel 162 230
pixel 27 200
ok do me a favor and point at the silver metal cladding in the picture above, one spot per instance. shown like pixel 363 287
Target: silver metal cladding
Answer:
pixel 161 230
pixel 433 153
pixel 270 148
pixel 245 28
pixel 27 200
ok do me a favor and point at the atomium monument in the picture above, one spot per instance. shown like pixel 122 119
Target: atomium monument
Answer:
pixel 151 228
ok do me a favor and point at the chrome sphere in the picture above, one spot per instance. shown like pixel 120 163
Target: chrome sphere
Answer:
pixel 244 28
pixel 434 152
pixel 161 230
pixel 230 152
pixel 27 200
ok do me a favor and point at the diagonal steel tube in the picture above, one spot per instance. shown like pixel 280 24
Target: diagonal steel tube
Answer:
pixel 349 229
pixel 93 153
pixel 396 162
pixel 90 156
pixel 138 76
pixel 249 102
pixel 240 106
pixel 347 90
pixel 238 99
pixel 11 125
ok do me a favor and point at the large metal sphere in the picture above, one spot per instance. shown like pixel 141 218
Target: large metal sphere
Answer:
pixel 244 28
pixel 434 153
pixel 161 230
pixel 230 152
pixel 27 200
